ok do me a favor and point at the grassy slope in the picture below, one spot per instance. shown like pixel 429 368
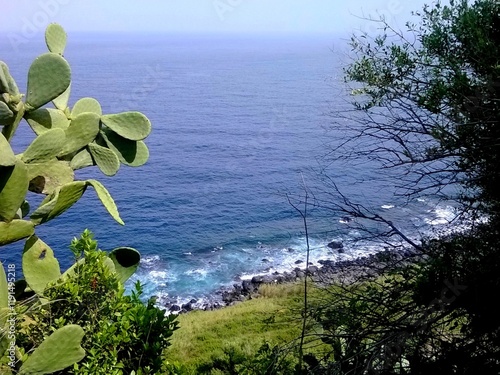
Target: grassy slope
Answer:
pixel 273 317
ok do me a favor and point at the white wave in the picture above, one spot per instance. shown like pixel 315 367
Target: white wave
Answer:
pixel 387 206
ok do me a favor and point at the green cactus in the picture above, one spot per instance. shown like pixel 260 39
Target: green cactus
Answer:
pixel 13 188
pixel 6 115
pixel 39 264
pixel 81 159
pixel 48 77
pixel 44 119
pixel 61 102
pixel 15 230
pixel 86 105
pixel 65 140
pixel 47 176
pixel 58 351
pixel 45 147
pixel 106 159
pixel 130 125
pixel 132 153
pixel 7 157
pixel 126 261
pixel 55 38
pixel 82 130
pixel 59 201
pixel 106 200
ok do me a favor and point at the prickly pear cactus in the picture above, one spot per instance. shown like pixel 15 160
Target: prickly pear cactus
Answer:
pixel 66 139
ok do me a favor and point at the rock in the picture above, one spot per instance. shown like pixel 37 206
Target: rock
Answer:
pixel 187 307
pixel 335 245
pixel 265 260
pixel 313 270
pixel 299 261
pixel 175 308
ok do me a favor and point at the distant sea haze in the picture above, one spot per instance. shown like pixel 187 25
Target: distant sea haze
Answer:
pixel 237 124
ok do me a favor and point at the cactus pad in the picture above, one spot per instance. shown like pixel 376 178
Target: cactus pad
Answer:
pixel 7 157
pixel 81 160
pixel 6 114
pixel 126 260
pixel 45 147
pixel 132 153
pixel 7 83
pixel 13 188
pixel 82 130
pixel 106 160
pixel 39 264
pixel 55 38
pixel 86 105
pixel 106 200
pixel 58 351
pixel 44 119
pixel 61 102
pixel 15 230
pixel 131 125
pixel 47 176
pixel 48 77
pixel 59 201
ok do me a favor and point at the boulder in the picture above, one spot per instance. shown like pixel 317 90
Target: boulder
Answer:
pixel 335 245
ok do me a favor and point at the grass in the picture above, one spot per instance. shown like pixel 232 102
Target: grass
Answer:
pixel 273 317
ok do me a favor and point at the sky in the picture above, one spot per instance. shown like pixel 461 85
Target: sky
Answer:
pixel 24 18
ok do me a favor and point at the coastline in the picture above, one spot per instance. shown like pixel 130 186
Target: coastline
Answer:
pixel 328 271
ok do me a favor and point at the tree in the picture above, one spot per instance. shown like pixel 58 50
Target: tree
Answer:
pixel 427 113
pixel 429 103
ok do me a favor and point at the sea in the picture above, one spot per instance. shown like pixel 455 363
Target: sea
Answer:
pixel 241 125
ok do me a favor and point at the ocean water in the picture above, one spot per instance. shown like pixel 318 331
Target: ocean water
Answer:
pixel 238 123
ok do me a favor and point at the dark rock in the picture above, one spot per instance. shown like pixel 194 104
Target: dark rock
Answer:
pixel 299 261
pixel 313 270
pixel 265 260
pixel 335 245
pixel 175 308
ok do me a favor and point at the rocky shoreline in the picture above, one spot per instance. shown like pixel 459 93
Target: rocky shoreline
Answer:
pixel 326 271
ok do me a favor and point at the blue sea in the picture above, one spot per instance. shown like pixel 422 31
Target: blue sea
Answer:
pixel 239 123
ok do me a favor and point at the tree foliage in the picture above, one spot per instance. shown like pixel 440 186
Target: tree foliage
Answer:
pixel 427 110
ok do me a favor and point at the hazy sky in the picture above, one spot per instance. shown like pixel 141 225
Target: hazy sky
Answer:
pixel 25 17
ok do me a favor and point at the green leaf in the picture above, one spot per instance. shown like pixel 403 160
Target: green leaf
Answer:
pixel 126 260
pixel 106 200
pixel 47 176
pixel 58 351
pixel 48 77
pixel 40 267
pixel 60 200
pixel 131 125
pixel 82 159
pixel 7 157
pixel 15 230
pixel 86 105
pixel 82 130
pixel 132 153
pixel 106 160
pixel 55 38
pixel 44 119
pixel 61 102
pixel 45 147
pixel 13 188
